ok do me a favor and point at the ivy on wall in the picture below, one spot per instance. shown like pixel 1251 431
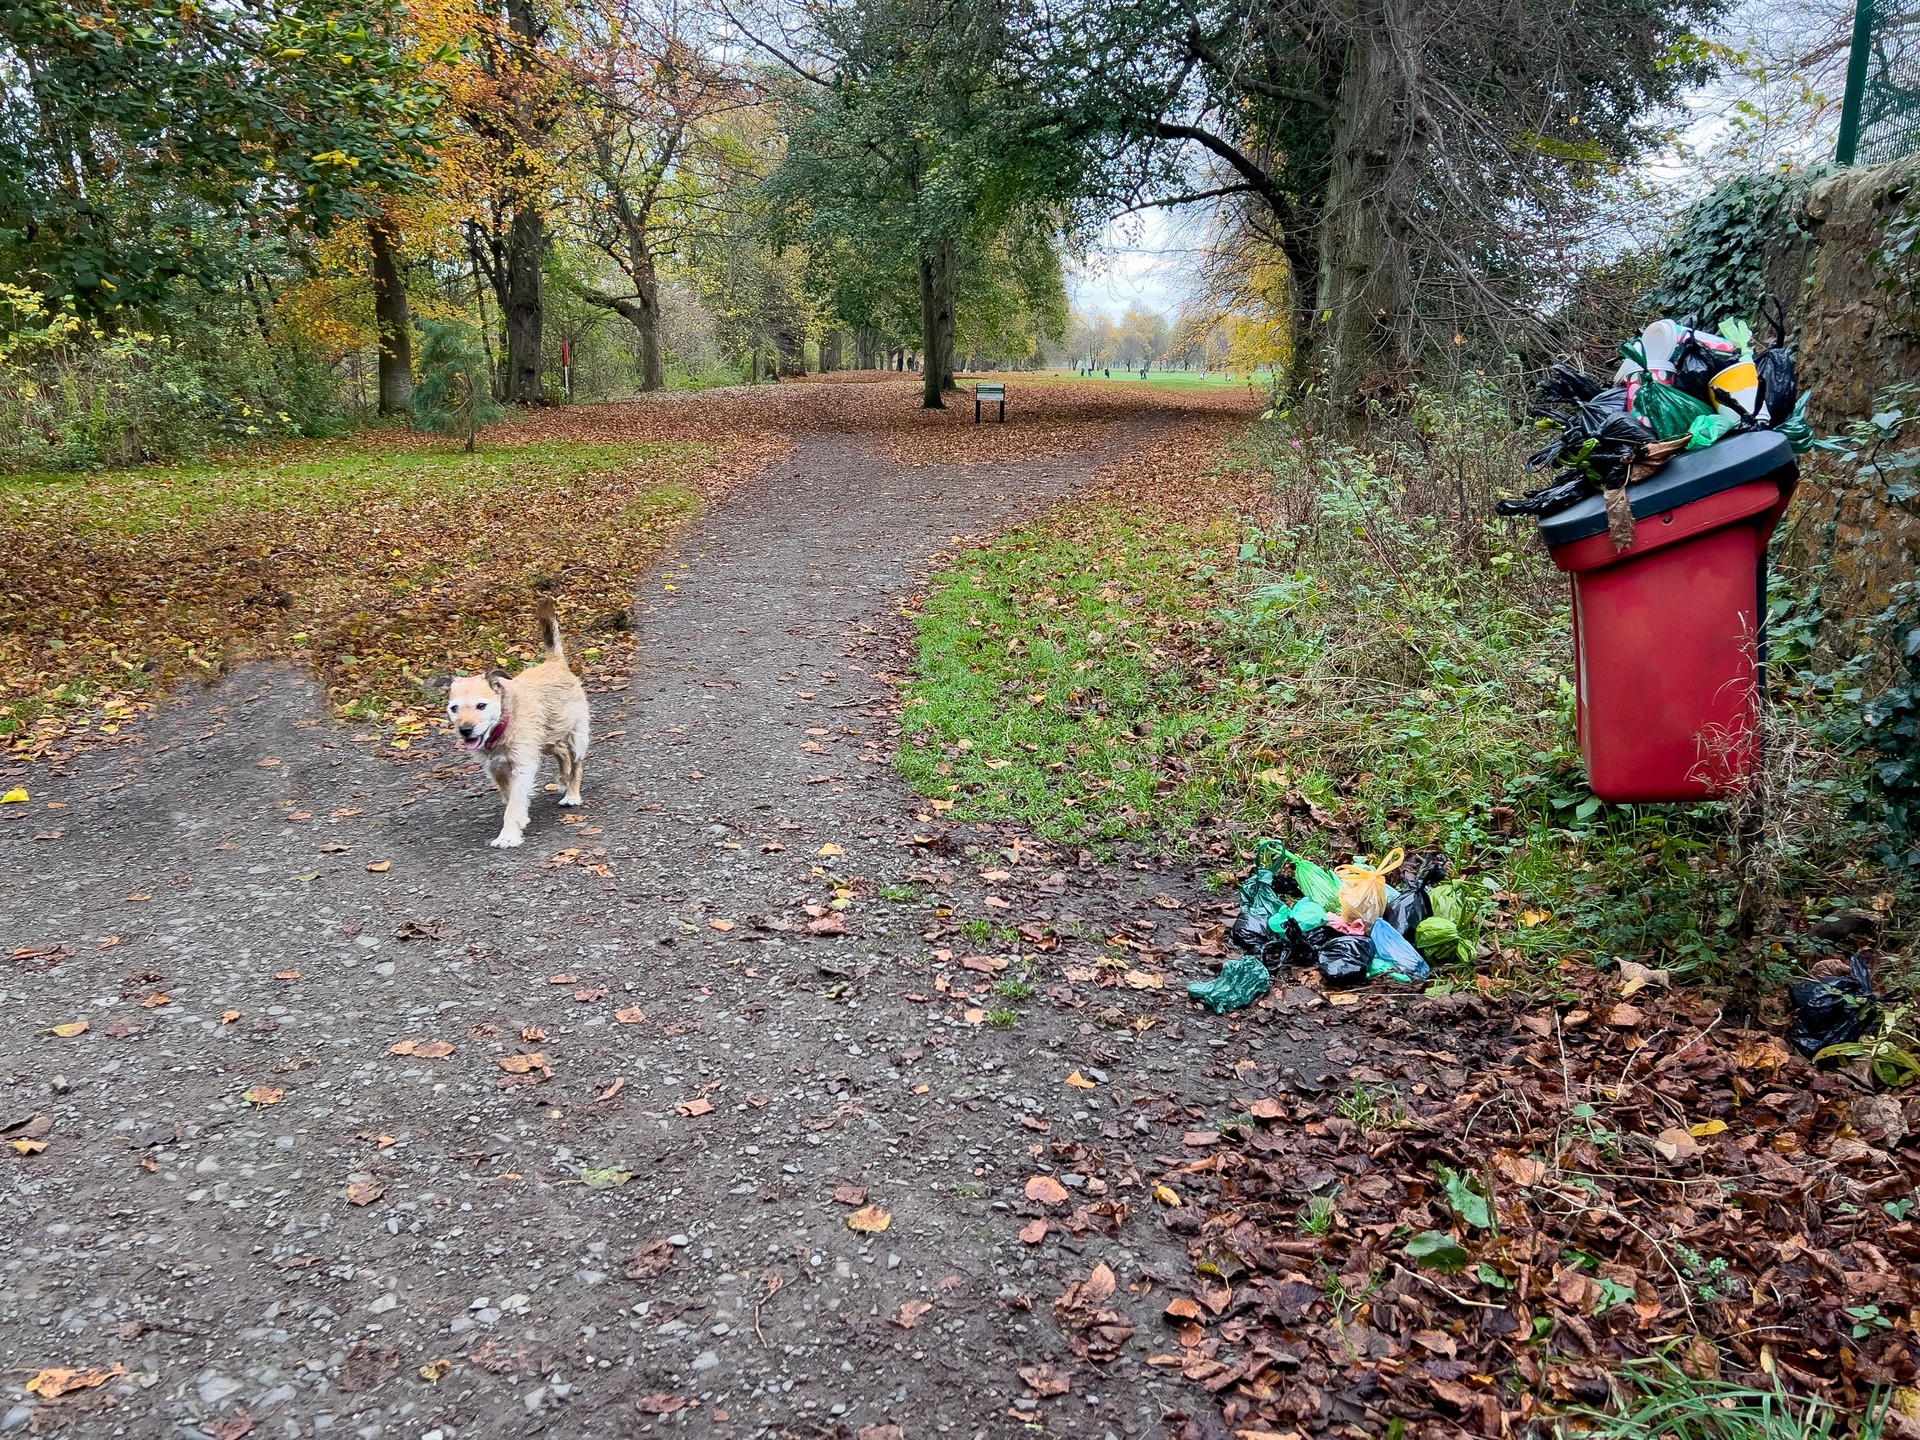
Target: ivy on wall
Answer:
pixel 1716 264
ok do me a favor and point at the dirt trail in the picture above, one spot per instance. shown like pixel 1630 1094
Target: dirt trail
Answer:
pixel 648 1239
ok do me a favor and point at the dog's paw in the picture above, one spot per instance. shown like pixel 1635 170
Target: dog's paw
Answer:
pixel 505 842
pixel 571 800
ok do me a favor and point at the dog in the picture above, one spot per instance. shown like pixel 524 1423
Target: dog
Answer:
pixel 515 719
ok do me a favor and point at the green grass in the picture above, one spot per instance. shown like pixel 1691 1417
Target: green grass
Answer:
pixel 1658 1398
pixel 1158 379
pixel 315 477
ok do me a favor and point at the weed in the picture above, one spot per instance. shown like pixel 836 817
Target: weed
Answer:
pixel 970 1189
pixel 1372 1109
pixel 1316 1216
pixel 1001 1019
pixel 977 930
pixel 1012 989
pixel 897 894
pixel 1657 1397
pixel 1707 1278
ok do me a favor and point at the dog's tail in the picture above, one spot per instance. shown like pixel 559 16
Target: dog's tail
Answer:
pixel 550 631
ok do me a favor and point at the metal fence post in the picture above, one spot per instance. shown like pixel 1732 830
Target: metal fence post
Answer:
pixel 1856 83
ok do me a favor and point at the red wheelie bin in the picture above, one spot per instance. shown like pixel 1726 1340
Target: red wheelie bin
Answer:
pixel 1669 633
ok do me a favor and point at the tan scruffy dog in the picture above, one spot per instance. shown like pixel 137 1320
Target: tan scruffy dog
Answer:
pixel 515 719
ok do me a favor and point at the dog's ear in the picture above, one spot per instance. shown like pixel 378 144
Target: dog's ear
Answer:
pixel 498 679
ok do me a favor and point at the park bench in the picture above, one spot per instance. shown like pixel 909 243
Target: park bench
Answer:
pixel 989 391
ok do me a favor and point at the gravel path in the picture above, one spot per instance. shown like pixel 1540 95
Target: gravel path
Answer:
pixel 645 1230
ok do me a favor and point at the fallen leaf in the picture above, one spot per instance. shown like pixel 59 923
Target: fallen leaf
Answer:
pixel 286 974
pixel 721 925
pixel 663 1403
pixel 850 1195
pixel 1143 980
pixel 1166 1195
pixel 525 1064
pixel 434 1371
pixel 1625 1017
pixel 632 1015
pixel 52 1384
pixel 1635 977
pixel 154 1002
pixel 1033 1232
pixel 423 1049
pixel 910 1313
pixel 532 1034
pixel 832 923
pixel 380 867
pixel 974 1016
pixel 1706 1128
pixel 1267 1108
pixel 227 1017
pixel 1080 1082
pixel 68 1030
pixel 829 849
pixel 138 899
pixel 1183 1307
pixel 699 1105
pixel 28 1147
pixel 869 1220
pixel 365 1192
pixel 1045 1190
pixel 587 997
pixel 1676 1144
pixel 650 1260
pixel 605 1179
pixel 561 980
pixel 263 1095
pixel 16 796
pixel 1046 1379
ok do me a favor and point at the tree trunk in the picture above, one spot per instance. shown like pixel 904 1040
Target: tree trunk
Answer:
pixel 936 323
pixel 645 316
pixel 1381 134
pixel 526 249
pixel 390 317
pixel 829 352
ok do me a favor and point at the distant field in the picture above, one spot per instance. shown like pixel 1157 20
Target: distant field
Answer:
pixel 1158 379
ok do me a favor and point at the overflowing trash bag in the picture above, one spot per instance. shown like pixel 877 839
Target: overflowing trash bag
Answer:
pixel 1834 1011
pixel 1407 909
pixel 1349 923
pixel 1444 937
pixel 1363 888
pixel 1266 893
pixel 1343 960
pixel 1679 386
pixel 1241 981
pixel 1395 956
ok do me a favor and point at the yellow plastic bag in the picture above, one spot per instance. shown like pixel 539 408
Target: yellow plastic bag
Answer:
pixel 1363 889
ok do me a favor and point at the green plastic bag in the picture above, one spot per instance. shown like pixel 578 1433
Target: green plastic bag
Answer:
pixel 1241 981
pixel 1668 410
pixel 1316 884
pixel 1709 428
pixel 1795 427
pixel 1442 937
pixel 1739 334
pixel 1309 912
pixel 1258 899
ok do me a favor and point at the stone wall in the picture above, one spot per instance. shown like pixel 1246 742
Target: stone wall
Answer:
pixel 1853 339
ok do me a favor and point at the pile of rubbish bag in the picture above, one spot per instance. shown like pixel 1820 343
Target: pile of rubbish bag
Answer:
pixel 1350 923
pixel 1679 387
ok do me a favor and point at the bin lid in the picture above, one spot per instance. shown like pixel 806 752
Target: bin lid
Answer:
pixel 1689 476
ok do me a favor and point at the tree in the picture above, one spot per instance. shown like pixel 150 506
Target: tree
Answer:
pixel 1422 170
pixel 508 90
pixel 652 90
pixel 137 137
pixel 452 398
pixel 915 135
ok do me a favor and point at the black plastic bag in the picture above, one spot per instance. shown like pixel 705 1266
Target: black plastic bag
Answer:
pixel 1407 909
pixel 1343 959
pixel 1778 388
pixel 1567 384
pixel 1291 945
pixel 1695 365
pixel 1833 1011
pixel 1549 499
pixel 1249 933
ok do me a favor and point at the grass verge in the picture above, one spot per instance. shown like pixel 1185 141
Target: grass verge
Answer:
pixel 379 565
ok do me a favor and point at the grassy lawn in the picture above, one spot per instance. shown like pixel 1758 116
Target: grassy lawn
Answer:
pixel 1156 380
pixel 380 564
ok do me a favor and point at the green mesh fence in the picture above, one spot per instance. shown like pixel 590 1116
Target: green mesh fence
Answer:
pixel 1880 117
